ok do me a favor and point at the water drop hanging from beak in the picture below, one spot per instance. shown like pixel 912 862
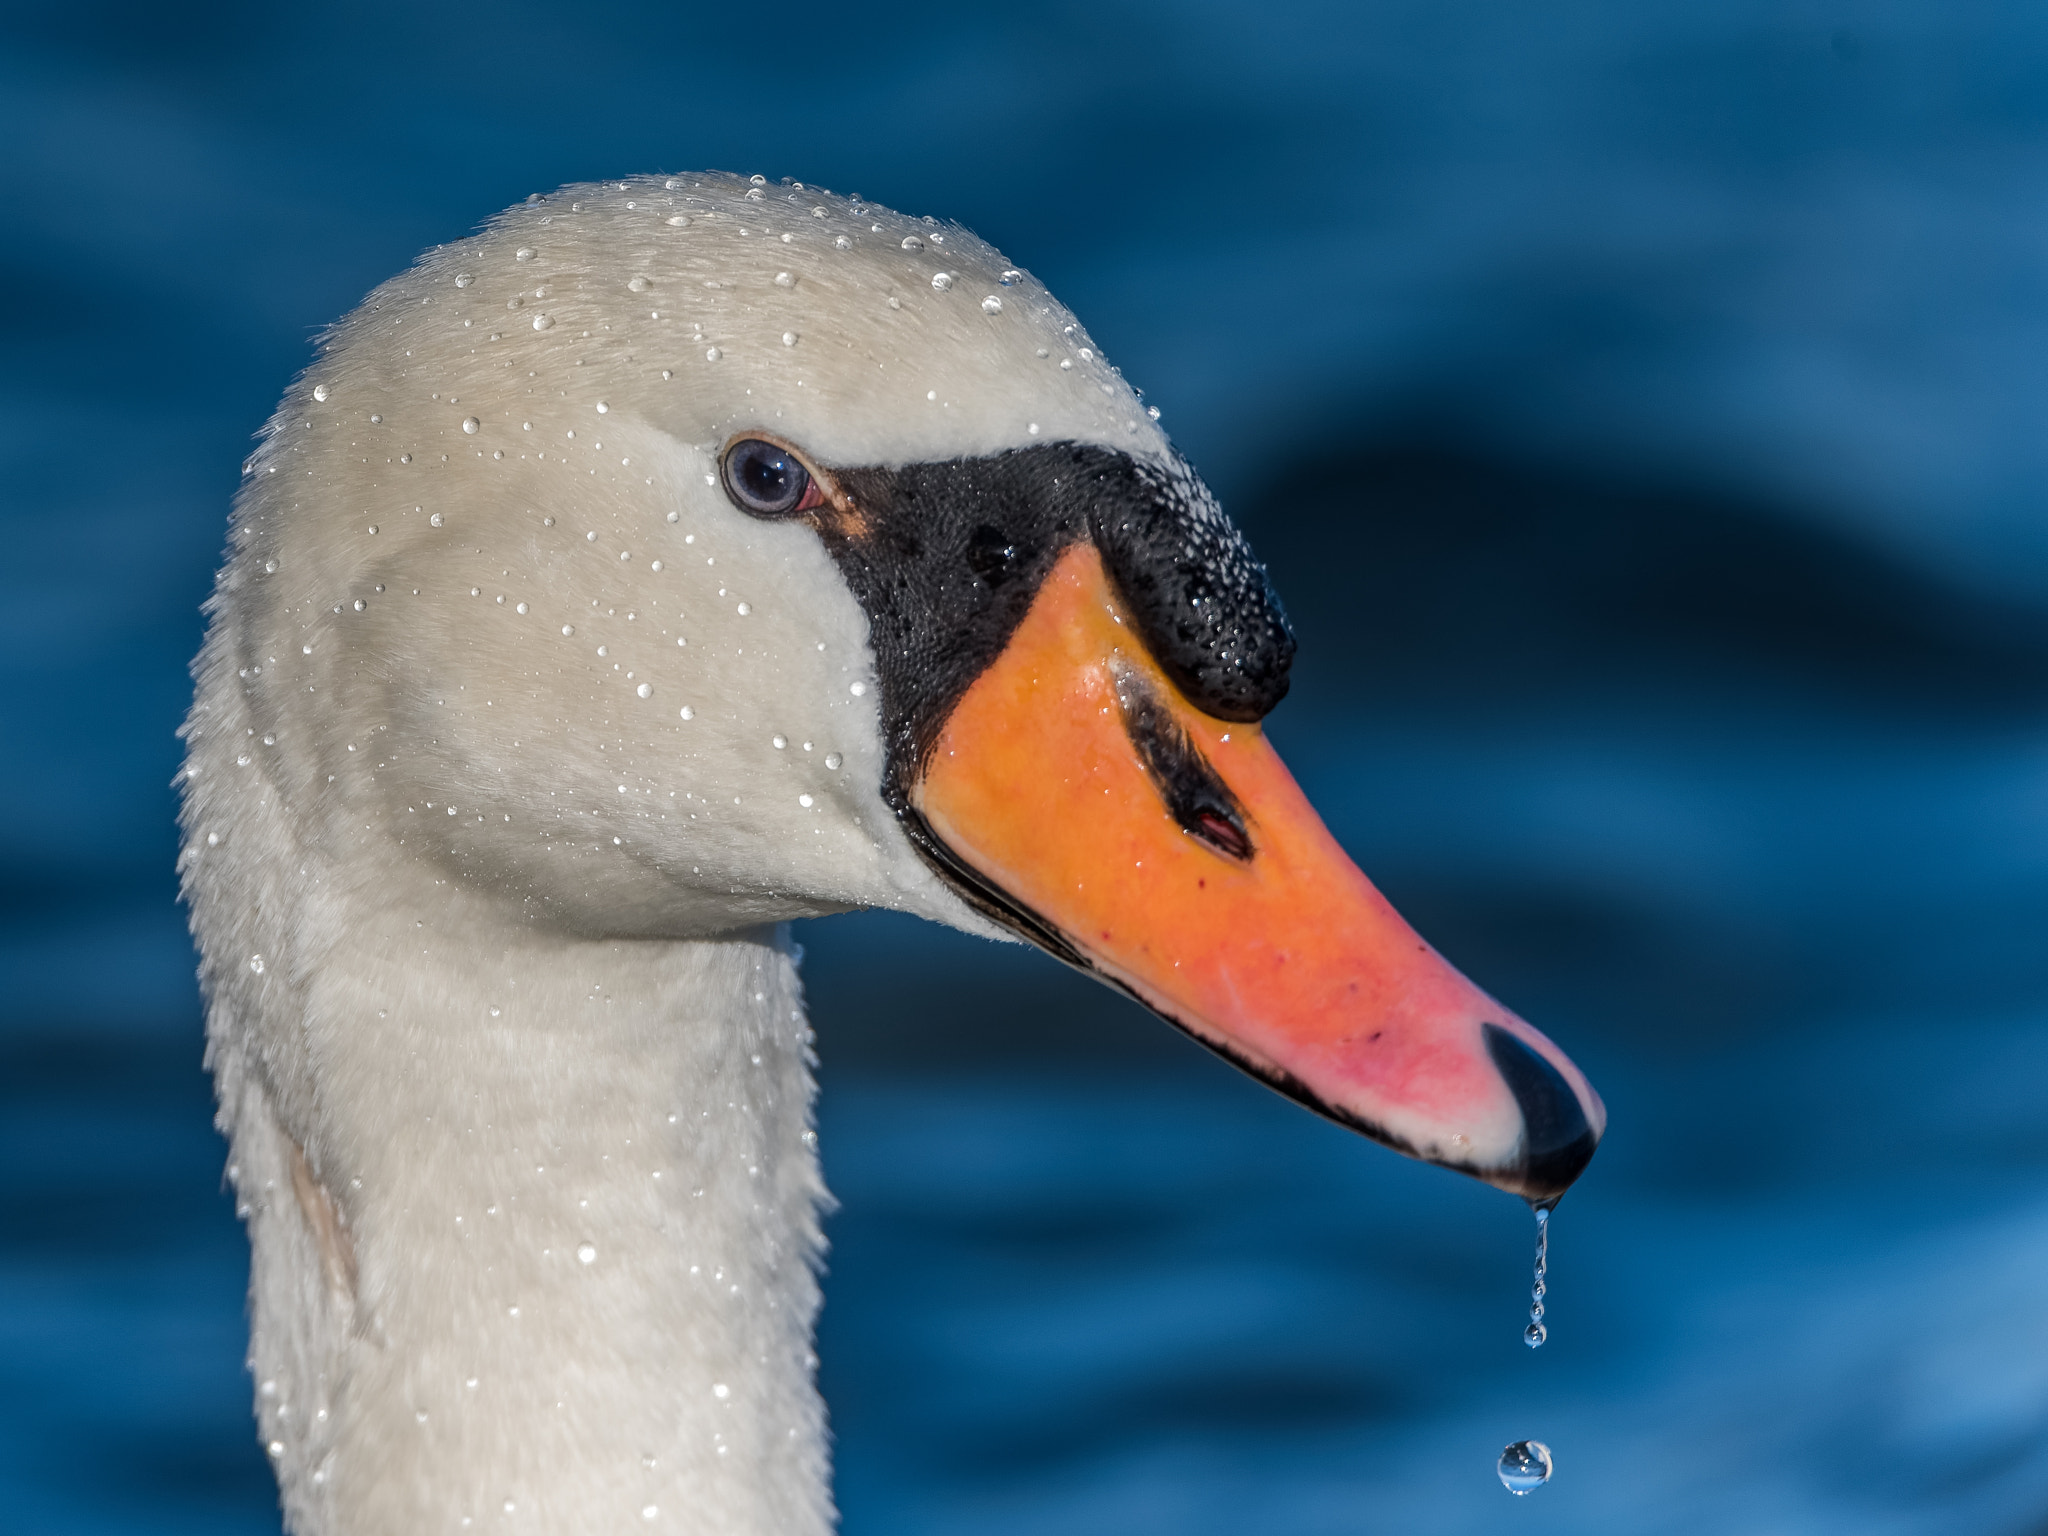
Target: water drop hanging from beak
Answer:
pixel 1536 1333
pixel 1525 1465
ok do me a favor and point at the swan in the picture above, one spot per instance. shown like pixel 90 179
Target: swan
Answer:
pixel 673 558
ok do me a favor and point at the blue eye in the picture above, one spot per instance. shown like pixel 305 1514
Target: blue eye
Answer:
pixel 767 481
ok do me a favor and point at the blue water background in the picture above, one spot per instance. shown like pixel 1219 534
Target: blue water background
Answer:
pixel 1644 410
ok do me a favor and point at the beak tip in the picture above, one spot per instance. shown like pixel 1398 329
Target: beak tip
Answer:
pixel 1547 1175
pixel 1558 1140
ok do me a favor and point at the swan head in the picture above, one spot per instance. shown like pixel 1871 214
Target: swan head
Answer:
pixel 683 554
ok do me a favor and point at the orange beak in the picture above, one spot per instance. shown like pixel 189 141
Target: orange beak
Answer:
pixel 1174 853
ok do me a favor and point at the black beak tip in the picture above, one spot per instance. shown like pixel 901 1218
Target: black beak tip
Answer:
pixel 1557 1139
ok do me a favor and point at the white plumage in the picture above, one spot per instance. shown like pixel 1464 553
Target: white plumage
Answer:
pixel 514 742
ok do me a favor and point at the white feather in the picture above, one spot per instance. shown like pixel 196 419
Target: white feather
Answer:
pixel 513 743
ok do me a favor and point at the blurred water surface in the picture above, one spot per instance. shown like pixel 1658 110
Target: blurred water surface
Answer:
pixel 1640 408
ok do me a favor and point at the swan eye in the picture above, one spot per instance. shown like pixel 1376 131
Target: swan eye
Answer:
pixel 768 481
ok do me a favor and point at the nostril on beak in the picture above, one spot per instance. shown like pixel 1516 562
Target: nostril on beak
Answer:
pixel 1557 1140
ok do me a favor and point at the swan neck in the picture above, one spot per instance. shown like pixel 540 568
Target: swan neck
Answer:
pixel 534 1220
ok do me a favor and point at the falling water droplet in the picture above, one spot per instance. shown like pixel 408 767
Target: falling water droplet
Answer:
pixel 1536 1333
pixel 1524 1466
pixel 319 391
pixel 256 964
pixel 781 742
pixel 645 690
